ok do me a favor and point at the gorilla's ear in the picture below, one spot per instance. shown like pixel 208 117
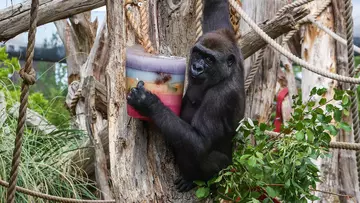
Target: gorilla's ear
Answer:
pixel 230 60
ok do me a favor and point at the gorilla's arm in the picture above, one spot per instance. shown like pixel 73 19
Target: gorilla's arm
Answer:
pixel 197 138
pixel 216 15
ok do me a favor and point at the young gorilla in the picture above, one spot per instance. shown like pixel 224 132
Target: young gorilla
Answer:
pixel 212 106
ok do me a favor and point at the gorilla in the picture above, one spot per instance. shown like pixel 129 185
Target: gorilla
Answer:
pixel 213 104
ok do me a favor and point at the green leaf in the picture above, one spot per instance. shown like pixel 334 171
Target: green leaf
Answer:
pixel 321 91
pixel 322 101
pixel 271 192
pixel 244 157
pixel 252 161
pixel 337 115
pixel 299 135
pixel 313 91
pixel 259 155
pixel 345 100
pixel 311 104
pixel 346 112
pixel 319 111
pixel 310 135
pixel 345 126
pixel 331 129
pixel 329 107
pixel 263 126
pixel 218 179
pixel 199 182
pixel 202 192
pixel 299 126
pixel 288 183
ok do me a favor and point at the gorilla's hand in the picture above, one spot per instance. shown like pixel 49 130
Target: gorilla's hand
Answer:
pixel 141 99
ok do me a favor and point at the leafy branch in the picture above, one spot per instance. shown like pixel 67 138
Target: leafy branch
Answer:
pixel 281 168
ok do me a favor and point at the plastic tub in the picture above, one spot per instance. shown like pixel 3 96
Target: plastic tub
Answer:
pixel 162 75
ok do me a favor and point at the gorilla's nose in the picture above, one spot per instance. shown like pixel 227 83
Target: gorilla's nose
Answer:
pixel 197 69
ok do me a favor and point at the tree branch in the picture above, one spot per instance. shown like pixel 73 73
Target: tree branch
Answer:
pixel 15 19
pixel 251 42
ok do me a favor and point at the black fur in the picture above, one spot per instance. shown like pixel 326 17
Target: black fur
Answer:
pixel 212 106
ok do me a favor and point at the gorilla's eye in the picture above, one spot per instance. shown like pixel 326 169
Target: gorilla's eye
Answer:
pixel 208 59
pixel 231 60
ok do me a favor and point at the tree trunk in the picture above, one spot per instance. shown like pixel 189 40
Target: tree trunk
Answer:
pixel 261 93
pixel 142 167
pixel 318 49
pixel 348 184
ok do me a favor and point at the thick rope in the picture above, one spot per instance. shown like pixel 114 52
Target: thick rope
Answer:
pixel 130 17
pixel 291 6
pixel 75 100
pixel 235 21
pixel 145 28
pixel 334 145
pixel 286 53
pixel 254 69
pixel 351 71
pixel 198 15
pixel 53 198
pixel 29 78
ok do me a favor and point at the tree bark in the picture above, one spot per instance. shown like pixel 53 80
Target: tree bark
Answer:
pixel 318 49
pixel 348 184
pixel 261 93
pixel 93 128
pixel 15 19
pixel 79 36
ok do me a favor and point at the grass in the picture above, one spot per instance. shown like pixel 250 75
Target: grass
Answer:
pixel 45 164
pixel 357 60
pixel 45 160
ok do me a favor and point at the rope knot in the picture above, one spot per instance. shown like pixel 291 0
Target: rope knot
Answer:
pixel 29 78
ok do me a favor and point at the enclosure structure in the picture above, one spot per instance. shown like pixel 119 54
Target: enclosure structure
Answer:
pixel 141 167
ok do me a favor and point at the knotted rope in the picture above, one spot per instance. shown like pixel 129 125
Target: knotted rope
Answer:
pixel 130 17
pixel 235 21
pixel 29 77
pixel 142 32
pixel 254 69
pixel 291 6
pixel 145 28
pixel 198 18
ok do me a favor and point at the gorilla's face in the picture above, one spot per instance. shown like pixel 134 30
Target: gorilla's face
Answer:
pixel 212 59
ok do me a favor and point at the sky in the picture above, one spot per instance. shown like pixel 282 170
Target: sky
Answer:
pixel 46 31
pixel 356 15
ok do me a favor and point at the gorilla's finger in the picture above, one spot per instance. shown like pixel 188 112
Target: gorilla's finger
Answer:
pixel 180 184
pixel 133 90
pixel 183 187
pixel 189 187
pixel 177 181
